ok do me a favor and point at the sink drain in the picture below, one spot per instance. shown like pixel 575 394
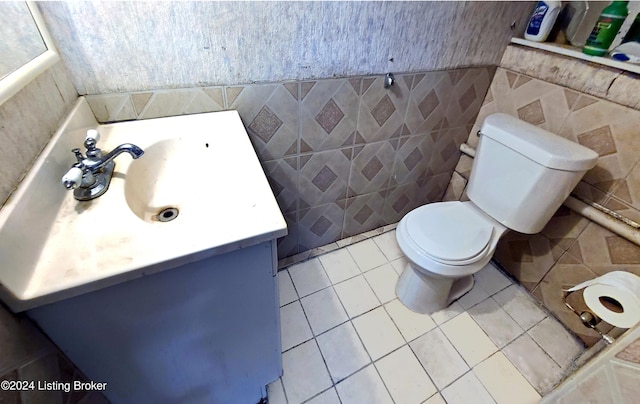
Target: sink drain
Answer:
pixel 167 214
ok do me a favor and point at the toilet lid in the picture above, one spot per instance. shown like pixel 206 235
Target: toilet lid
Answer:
pixel 449 231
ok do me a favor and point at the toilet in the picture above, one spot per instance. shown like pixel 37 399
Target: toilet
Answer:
pixel 521 174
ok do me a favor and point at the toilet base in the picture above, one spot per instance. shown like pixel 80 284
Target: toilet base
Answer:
pixel 427 294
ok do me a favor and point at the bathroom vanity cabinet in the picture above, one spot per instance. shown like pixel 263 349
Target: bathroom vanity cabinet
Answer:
pixel 180 311
pixel 204 332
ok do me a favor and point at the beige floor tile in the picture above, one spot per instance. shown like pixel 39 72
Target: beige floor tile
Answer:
pixel 378 333
pixel 294 325
pixel 328 397
pixel 556 341
pixel 399 264
pixel 342 351
pixel 285 287
pixel 356 296
pixel 499 326
pixel 367 255
pixel 520 306
pixel 504 382
pixel 388 245
pixel 534 364
pixel 411 324
pixel 383 281
pixel 309 277
pixel 275 393
pixel 491 279
pixel 435 399
pixel 446 314
pixel 323 310
pixel 364 387
pixel 468 338
pixel 304 372
pixel 439 358
pixel 339 265
pixel 404 377
pixel 465 390
pixel 473 297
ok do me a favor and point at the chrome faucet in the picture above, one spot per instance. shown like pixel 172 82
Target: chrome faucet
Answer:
pixel 90 175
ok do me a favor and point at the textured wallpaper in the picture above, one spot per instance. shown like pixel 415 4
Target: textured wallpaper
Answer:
pixel 134 46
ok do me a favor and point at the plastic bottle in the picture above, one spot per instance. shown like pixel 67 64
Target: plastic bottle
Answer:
pixel 633 35
pixel 606 28
pixel 542 20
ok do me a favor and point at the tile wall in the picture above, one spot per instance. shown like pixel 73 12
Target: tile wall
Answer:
pixel 571 248
pixel 343 156
pixel 27 122
pixel 612 377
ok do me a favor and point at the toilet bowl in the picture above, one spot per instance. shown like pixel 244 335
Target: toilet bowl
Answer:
pixel 445 244
pixel 521 174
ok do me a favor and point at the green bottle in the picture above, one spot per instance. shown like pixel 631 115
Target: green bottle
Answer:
pixel 606 28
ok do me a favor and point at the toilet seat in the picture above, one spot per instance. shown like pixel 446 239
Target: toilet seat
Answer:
pixel 448 233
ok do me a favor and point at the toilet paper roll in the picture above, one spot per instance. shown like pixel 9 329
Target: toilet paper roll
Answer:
pixel 614 297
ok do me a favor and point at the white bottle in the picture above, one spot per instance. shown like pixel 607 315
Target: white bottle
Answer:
pixel 542 20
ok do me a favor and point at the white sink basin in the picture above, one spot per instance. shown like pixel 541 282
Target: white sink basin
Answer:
pixel 203 166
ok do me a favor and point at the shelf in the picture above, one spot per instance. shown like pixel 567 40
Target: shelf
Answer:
pixel 576 53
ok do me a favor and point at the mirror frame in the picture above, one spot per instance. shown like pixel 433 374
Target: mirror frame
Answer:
pixel 18 79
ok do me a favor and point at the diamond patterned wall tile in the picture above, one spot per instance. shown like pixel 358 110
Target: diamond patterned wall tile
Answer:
pixel 463 167
pixel 469 89
pixel 564 275
pixel 431 188
pixel 206 100
pixel 626 376
pixel 631 353
pixel 456 188
pixel 604 251
pixel 428 102
pixel 590 193
pixel 446 149
pixel 288 245
pixel 412 157
pixel 269 112
pixel 168 103
pixel 535 101
pixel 564 227
pixel 626 196
pixel 140 100
pixel 363 213
pixel 399 201
pixel 111 107
pixel 528 257
pixel 283 178
pixel 371 169
pixel 328 114
pixel 323 177
pixel 382 111
pixel 319 225
pixel 611 130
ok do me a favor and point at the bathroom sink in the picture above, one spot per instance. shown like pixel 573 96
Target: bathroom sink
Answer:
pixel 198 191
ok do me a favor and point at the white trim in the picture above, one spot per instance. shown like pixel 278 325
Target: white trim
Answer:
pixel 576 53
pixel 17 80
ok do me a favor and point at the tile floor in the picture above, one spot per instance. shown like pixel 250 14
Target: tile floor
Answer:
pixel 347 339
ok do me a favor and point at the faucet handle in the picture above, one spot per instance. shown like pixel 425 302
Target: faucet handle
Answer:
pixel 93 134
pixel 90 143
pixel 73 178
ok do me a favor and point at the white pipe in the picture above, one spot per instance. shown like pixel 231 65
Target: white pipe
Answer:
pixel 605 220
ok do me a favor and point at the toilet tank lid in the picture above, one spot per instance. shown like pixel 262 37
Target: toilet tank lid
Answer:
pixel 537 144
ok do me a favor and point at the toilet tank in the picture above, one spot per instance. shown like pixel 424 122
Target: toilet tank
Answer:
pixel 521 174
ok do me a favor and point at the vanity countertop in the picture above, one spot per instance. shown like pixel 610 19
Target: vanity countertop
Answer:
pixel 55 247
